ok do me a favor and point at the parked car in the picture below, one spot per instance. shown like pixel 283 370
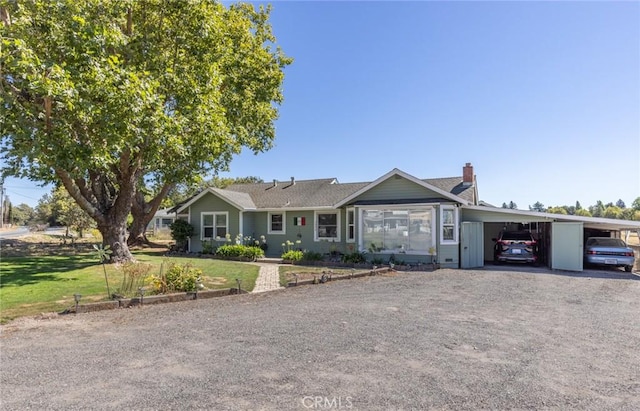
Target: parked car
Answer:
pixel 516 246
pixel 608 251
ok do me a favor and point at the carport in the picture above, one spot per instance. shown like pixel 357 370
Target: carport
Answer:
pixel 560 237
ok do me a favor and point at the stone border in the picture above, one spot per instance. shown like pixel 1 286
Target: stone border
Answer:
pixel 153 299
pixel 316 280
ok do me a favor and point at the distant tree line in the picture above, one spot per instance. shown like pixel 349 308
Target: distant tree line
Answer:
pixel 617 210
pixel 57 208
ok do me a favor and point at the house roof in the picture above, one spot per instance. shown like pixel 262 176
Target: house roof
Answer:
pixel 455 186
pixel 300 194
pixel 323 193
pixel 506 214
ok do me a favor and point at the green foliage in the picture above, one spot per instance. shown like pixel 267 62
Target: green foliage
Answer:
pixel 583 212
pixel 68 211
pixel 176 278
pixel 23 214
pixel 101 94
pixel 612 212
pixel 133 277
pixel 289 245
pixel 312 256
pixel 292 255
pixel 180 232
pixel 355 258
pixel 538 206
pixel 209 248
pixel 557 210
pixel 239 251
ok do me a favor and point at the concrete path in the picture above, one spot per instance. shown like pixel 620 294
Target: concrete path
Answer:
pixel 268 278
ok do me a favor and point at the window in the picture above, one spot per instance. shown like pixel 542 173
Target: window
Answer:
pixel 327 226
pixel 449 225
pixel 351 225
pixel 396 230
pixel 276 223
pixel 214 225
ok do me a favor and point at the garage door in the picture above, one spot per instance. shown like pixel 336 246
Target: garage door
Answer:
pixel 566 246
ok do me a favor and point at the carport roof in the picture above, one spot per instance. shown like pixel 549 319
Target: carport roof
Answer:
pixel 509 215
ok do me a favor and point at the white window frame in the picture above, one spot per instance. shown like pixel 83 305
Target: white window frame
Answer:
pixel 284 222
pixel 432 210
pixel 454 225
pixel 351 211
pixel 214 214
pixel 315 226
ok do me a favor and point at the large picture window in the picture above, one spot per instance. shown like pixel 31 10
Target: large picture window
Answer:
pixel 397 230
pixel 214 225
pixel 327 226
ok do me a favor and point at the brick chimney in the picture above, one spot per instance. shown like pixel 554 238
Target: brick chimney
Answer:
pixel 467 174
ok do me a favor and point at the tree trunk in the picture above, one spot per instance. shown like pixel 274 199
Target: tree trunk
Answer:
pixel 115 235
pixel 143 212
pixel 137 233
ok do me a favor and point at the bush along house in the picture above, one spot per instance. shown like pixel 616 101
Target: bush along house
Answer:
pixel 396 218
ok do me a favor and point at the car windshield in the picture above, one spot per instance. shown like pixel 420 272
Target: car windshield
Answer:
pixel 606 242
pixel 516 235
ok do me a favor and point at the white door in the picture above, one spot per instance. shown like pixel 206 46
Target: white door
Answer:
pixel 472 244
pixel 566 246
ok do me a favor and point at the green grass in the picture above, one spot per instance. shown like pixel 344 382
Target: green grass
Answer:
pixel 36 284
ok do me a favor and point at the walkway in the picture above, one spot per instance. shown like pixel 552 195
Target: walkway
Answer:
pixel 268 279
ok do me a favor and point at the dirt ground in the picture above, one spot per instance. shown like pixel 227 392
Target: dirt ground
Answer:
pixel 450 339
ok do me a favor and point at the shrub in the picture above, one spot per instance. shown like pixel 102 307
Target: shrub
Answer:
pixel 292 255
pixel 209 248
pixel 133 276
pixel 253 253
pixel 312 256
pixel 355 258
pixel 239 251
pixel 176 278
pixel 180 232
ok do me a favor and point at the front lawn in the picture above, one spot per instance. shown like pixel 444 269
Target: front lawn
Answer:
pixel 36 284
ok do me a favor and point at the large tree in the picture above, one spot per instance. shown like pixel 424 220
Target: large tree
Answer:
pixel 101 95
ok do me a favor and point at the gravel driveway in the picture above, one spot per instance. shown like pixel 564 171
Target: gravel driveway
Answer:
pixel 449 339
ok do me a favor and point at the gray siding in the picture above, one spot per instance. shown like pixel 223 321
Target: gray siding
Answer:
pixel 448 255
pixel 248 225
pixel 259 223
pixel 397 188
pixel 211 203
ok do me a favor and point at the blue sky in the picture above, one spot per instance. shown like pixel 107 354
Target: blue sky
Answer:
pixel 543 98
